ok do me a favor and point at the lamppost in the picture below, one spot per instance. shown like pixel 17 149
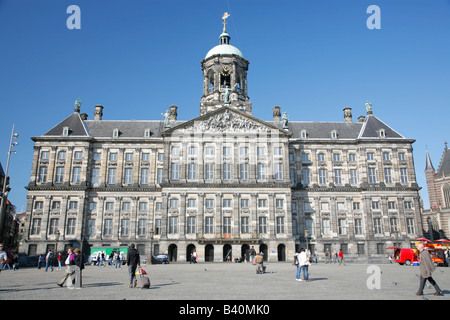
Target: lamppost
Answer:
pixel 307 238
pixel 6 187
pixel 151 246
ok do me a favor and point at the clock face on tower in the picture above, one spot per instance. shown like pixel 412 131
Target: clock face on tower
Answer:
pixel 225 71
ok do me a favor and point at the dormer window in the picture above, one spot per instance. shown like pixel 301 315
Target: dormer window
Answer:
pixel 334 134
pixel 381 133
pixel 116 133
pixel 304 134
pixel 148 133
pixel 65 131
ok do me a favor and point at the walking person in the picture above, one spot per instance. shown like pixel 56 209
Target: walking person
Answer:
pixel 40 259
pixel 426 269
pixel 3 257
pixel 252 254
pixel 341 257
pixel 78 267
pixel 447 257
pixel 327 256
pixel 303 262
pixel 117 256
pixel 259 260
pixel 60 257
pixel 70 262
pixel 297 274
pixel 49 260
pixel 133 261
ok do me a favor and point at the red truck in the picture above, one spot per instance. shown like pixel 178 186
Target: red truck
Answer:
pixel 405 256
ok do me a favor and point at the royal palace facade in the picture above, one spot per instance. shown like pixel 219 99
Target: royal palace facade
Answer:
pixel 224 181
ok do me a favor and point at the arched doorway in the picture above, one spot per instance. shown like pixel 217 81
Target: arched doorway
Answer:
pixel 209 253
pixel 227 253
pixel 189 249
pixel 263 249
pixel 245 252
pixel 172 254
pixel 281 252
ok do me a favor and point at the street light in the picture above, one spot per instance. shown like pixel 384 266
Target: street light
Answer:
pixel 4 190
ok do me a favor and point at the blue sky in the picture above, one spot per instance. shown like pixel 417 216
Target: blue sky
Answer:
pixel 137 57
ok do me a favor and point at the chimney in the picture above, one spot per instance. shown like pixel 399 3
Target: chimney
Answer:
pixel 348 114
pixel 98 112
pixel 84 116
pixel 276 114
pixel 173 112
pixel 361 118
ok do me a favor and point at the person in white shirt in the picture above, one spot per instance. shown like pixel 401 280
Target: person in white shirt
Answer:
pixel 303 262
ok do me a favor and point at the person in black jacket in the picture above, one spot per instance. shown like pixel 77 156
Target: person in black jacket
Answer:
pixel 133 261
pixel 79 266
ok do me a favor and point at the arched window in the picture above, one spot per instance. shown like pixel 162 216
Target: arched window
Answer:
pixel 446 193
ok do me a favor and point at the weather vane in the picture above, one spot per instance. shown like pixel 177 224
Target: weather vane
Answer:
pixel 224 17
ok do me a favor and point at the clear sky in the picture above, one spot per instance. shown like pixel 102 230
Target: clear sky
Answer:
pixel 137 57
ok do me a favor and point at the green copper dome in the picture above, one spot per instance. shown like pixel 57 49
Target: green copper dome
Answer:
pixel 224 47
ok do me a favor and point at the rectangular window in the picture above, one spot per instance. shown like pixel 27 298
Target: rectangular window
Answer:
pixel 320 157
pixel 159 175
pixel 36 226
pixel 305 157
pixel 45 155
pixel 190 225
pixel 113 156
pixel 97 156
pixel 95 176
pixel 59 174
pixel 375 205
pixel 73 205
pixel 243 151
pixel 243 174
pixel 227 171
pixel 372 175
pixel 109 206
pixel 408 205
pixel 142 227
pixel 392 205
pixel 192 150
pixel 279 203
pixel 278 170
pixel 322 176
pixel 261 171
pixel 277 151
pixel 227 225
pixel 280 224
pixel 353 176
pixel 403 175
pixel 226 151
pixel 173 203
pixel 352 157
pixel 124 227
pixel 78 155
pixel 306 176
pixel 111 175
pixel 144 176
pixel 192 170
pixel 175 151
pixel 342 224
pixel 377 225
pixel 209 225
pixel 76 173
pixel 401 156
pixel 387 175
pixel 358 226
pixel 91 227
pixel 71 226
pixel 262 225
pixel 173 225
pixel 336 157
pixel 128 176
pixel 370 156
pixel 261 151
pixel 174 171
pixel 386 156
pixel 209 151
pixel 126 206
pixel 61 155
pixel 209 171
pixel 209 203
pixel 356 205
pixel 53 226
pixel 338 176
pixel 42 177
pixel 393 223
pixel 191 203
pixel 107 228
pixel 226 203
pixel 146 156
pixel 326 227
pixel 244 203
pixel 262 203
pixel 245 225
pixel 157 226
pixel 410 225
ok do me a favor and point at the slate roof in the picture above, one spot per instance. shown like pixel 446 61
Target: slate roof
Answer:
pixel 75 125
pixel 444 166
pixel 315 130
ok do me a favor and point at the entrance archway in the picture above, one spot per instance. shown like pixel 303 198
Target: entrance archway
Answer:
pixel 245 252
pixel 209 253
pixel 281 252
pixel 189 249
pixel 263 249
pixel 172 254
pixel 227 253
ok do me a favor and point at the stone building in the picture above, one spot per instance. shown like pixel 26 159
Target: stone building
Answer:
pixel 436 220
pixel 224 181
